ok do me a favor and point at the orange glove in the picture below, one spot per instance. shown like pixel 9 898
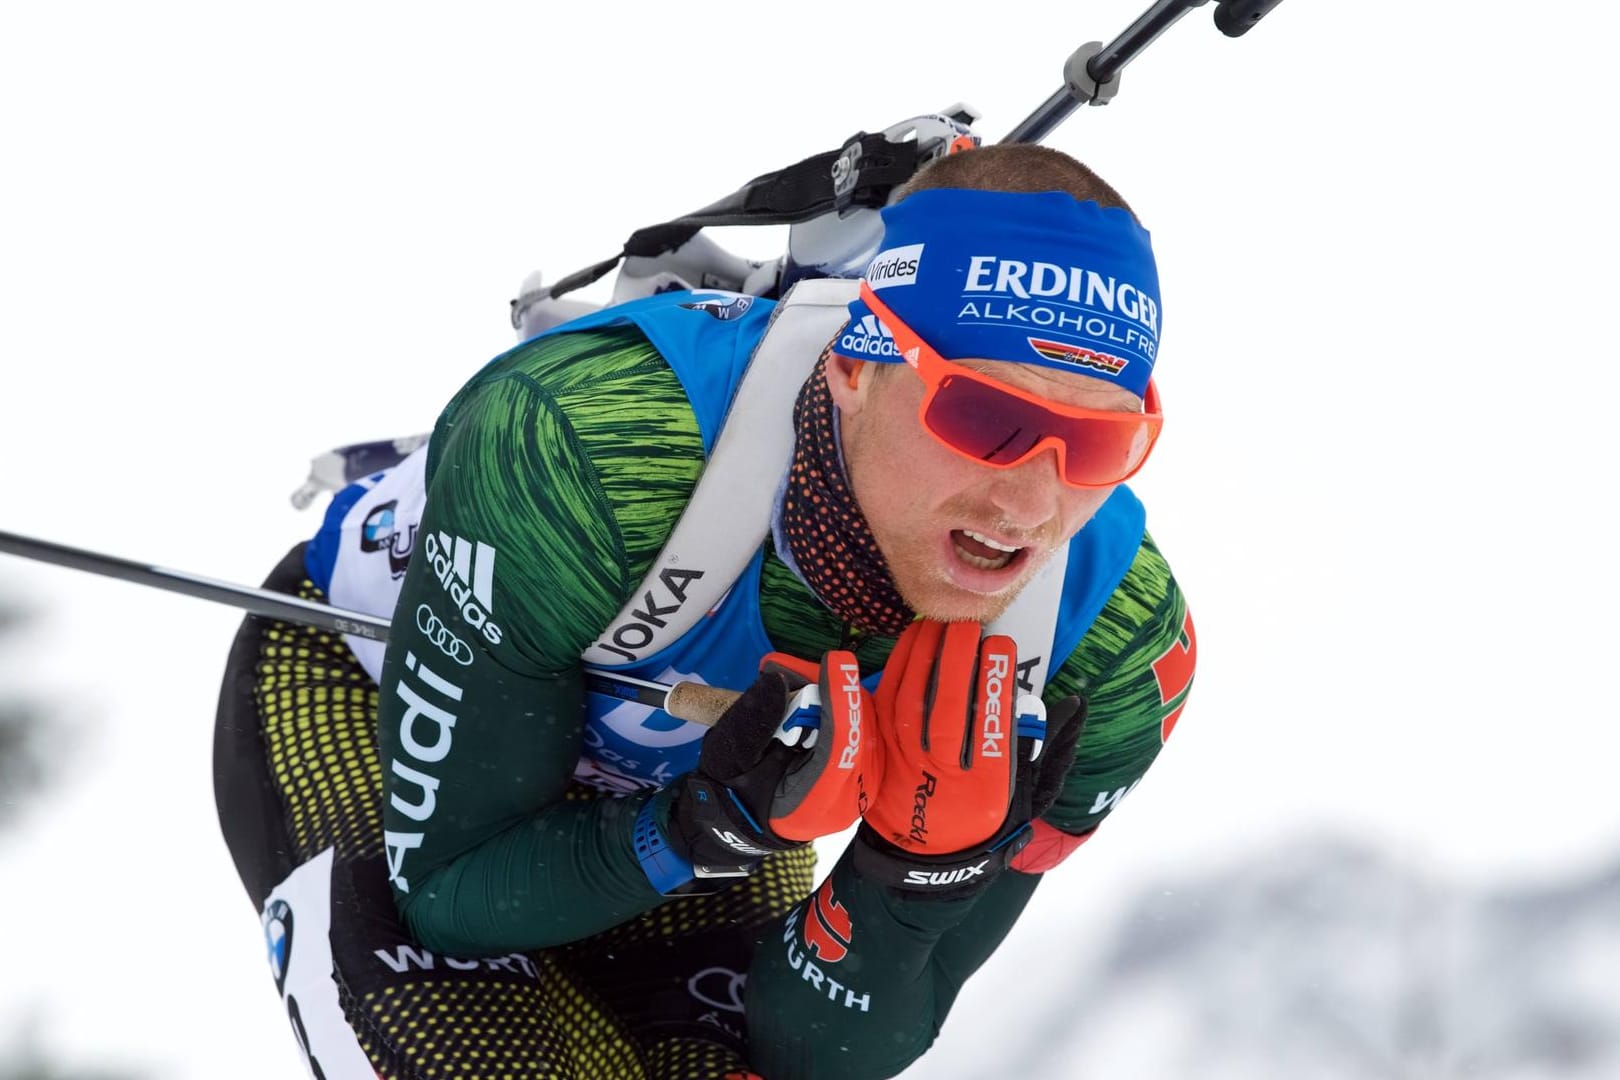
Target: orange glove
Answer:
pixel 949 736
pixel 824 788
pixel 961 781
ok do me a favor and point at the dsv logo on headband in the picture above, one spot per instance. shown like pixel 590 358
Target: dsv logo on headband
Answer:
pixel 869 337
pixel 440 635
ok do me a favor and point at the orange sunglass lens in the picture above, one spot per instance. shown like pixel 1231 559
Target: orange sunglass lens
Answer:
pixel 987 424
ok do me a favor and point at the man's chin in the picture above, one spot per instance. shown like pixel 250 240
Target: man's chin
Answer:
pixel 946 601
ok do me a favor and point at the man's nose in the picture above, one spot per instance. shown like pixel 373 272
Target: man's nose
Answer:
pixel 1028 494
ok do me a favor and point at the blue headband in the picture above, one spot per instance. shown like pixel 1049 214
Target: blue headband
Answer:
pixel 1031 278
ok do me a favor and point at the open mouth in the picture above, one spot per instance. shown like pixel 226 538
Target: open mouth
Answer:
pixel 978 550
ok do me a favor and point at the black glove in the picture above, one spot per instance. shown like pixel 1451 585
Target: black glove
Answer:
pixel 1042 767
pixel 721 808
pixel 752 793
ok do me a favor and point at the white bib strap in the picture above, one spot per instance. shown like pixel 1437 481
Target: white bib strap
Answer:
pixel 1031 621
pixel 729 514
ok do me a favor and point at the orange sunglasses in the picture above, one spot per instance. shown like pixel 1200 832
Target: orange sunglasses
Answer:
pixel 1002 426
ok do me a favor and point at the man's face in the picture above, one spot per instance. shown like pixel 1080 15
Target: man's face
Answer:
pixel 961 538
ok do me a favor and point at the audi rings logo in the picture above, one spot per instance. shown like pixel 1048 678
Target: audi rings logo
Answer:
pixel 718 988
pixel 440 635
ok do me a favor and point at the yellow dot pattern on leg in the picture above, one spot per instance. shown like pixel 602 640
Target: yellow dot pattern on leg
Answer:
pixel 553 1029
pixel 319 710
pixel 691 1059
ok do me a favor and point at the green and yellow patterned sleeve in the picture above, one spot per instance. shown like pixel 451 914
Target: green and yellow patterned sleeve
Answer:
pixel 572 456
pixel 553 479
pixel 1134 667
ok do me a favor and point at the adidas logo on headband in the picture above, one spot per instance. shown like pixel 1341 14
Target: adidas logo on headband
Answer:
pixel 868 339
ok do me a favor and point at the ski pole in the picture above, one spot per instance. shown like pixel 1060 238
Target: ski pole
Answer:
pixel 684 700
pixel 1091 74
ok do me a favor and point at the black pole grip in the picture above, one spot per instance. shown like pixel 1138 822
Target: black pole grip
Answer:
pixel 1235 17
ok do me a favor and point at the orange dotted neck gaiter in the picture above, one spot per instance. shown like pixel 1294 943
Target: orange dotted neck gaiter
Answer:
pixel 824 528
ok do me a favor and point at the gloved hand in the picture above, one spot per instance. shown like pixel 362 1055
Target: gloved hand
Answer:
pixel 963 777
pixel 789 761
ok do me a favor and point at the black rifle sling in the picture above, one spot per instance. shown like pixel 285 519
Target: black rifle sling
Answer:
pixel 860 173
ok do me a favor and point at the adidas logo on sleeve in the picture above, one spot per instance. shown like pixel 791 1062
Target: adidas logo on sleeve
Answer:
pixel 466 571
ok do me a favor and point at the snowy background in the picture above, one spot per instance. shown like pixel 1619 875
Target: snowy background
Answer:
pixel 1384 840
